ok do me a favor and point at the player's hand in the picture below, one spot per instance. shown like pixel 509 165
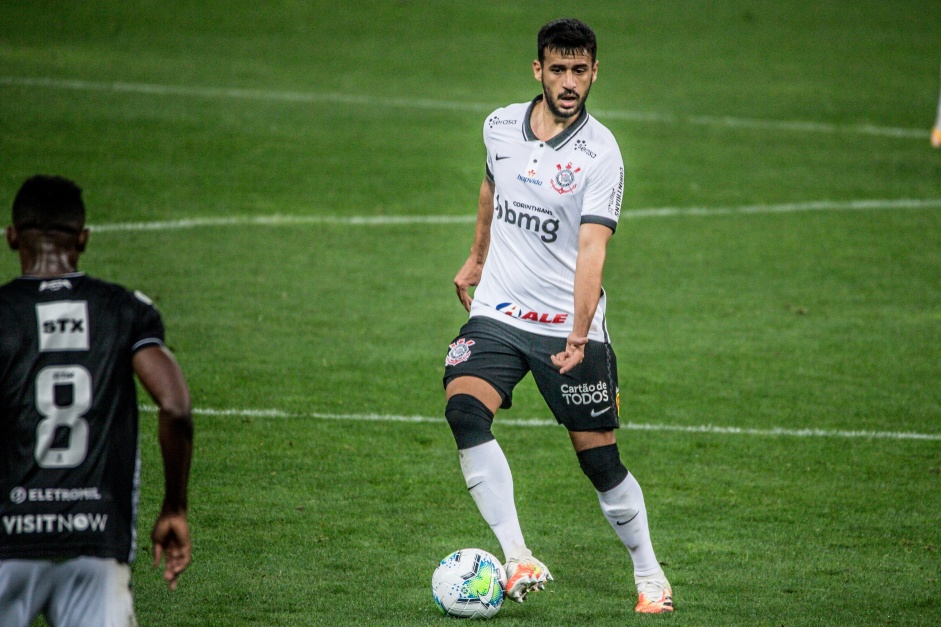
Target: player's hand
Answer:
pixel 573 354
pixel 171 539
pixel 467 277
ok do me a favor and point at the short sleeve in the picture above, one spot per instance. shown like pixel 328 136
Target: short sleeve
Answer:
pixel 604 191
pixel 148 326
pixel 488 164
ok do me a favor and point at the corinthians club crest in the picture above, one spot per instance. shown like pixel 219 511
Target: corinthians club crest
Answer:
pixel 460 351
pixel 564 180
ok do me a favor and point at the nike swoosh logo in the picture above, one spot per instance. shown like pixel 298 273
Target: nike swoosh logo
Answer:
pixel 621 524
pixel 486 598
pixel 595 414
pixel 500 158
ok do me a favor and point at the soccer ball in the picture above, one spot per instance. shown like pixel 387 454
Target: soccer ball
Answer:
pixel 469 583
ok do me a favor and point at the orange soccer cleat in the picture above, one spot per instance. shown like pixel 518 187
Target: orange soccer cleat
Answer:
pixel 654 595
pixel 524 574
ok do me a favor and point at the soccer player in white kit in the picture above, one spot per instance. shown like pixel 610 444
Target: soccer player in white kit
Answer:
pixel 548 205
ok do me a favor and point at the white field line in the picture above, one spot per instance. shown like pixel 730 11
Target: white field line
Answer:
pixel 711 429
pixel 445 105
pixel 282 220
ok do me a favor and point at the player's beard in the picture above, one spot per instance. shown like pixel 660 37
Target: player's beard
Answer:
pixel 554 108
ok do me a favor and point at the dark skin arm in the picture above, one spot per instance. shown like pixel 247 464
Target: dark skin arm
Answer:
pixel 162 377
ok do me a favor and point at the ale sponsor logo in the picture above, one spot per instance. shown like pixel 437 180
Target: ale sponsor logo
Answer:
pixel 515 311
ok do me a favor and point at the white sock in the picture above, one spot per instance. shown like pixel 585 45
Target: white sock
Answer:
pixel 490 483
pixel 623 506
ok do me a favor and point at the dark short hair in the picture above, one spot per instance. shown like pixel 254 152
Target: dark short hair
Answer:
pixel 567 36
pixel 49 203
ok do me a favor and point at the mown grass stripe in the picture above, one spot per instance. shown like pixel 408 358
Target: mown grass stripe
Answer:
pixel 446 105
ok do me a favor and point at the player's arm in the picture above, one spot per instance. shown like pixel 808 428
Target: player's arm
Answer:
pixel 589 266
pixel 162 377
pixel 469 274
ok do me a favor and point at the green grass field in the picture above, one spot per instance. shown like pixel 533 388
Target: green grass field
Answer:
pixel 775 279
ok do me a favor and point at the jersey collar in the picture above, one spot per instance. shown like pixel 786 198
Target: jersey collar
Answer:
pixel 68 275
pixel 562 138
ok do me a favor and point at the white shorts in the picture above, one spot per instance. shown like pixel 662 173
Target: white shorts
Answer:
pixel 80 592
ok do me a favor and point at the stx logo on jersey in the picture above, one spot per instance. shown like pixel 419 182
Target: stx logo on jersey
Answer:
pixel 548 228
pixel 460 351
pixel 54 523
pixel 63 326
pixel 515 311
pixel 564 180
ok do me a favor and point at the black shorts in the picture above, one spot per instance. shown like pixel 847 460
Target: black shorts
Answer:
pixel 583 399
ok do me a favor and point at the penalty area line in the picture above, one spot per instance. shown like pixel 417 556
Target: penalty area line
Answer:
pixel 539 422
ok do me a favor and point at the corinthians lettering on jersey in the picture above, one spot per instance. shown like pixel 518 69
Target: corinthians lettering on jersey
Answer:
pixel 523 205
pixel 614 199
pixel 547 228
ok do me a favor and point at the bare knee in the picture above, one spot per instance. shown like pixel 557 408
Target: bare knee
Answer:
pixel 476 387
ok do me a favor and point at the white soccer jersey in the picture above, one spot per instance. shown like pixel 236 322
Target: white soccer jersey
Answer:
pixel 544 190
